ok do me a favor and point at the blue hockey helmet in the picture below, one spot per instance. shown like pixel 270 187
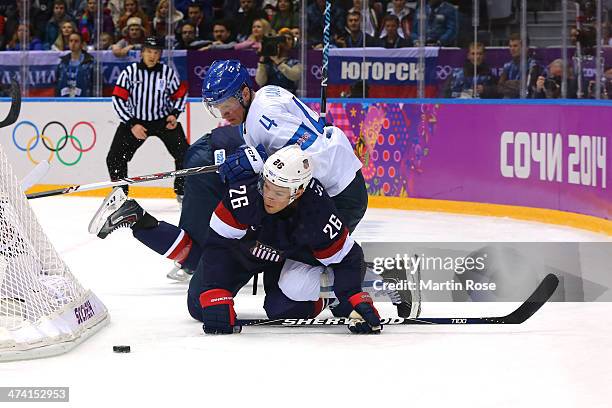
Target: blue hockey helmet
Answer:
pixel 225 79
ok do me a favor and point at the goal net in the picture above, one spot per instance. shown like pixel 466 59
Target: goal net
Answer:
pixel 44 310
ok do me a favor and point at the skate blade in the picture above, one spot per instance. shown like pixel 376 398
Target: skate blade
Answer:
pixel 111 203
pixel 179 275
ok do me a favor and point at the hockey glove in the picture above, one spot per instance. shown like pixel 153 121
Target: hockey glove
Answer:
pixel 246 162
pixel 218 313
pixel 364 318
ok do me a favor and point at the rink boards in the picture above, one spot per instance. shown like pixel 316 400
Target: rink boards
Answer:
pixel 541 161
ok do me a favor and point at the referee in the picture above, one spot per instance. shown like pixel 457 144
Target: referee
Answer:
pixel 148 98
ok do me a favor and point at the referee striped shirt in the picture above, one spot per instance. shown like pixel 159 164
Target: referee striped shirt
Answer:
pixel 148 94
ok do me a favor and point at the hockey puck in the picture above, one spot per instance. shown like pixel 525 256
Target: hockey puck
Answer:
pixel 121 349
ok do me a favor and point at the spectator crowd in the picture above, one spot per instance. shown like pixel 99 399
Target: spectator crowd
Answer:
pixel 62 25
pixel 125 23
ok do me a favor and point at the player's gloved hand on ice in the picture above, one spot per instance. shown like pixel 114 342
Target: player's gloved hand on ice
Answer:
pixel 243 164
pixel 364 318
pixel 218 313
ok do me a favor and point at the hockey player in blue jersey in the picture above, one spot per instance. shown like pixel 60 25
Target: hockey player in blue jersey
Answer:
pixel 269 119
pixel 261 224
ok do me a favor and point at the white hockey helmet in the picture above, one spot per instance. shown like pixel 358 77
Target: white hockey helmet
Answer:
pixel 289 167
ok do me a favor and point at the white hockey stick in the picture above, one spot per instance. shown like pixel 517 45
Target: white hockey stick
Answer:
pixel 125 181
pixel 35 175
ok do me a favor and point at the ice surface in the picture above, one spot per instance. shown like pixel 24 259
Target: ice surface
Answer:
pixel 562 357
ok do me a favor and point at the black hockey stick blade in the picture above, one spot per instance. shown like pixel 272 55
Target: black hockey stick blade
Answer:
pixel 543 292
pixel 527 309
pixel 15 108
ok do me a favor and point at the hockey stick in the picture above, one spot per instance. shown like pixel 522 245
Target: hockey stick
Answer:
pixel 537 299
pixel 35 175
pixel 125 181
pixel 15 108
pixel 326 34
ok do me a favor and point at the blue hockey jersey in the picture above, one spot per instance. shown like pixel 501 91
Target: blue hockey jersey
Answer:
pixel 240 228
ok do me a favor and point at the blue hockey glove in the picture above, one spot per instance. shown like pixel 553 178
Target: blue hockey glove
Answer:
pixel 364 318
pixel 246 162
pixel 218 313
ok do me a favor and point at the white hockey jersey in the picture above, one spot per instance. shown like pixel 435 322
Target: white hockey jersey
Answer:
pixel 277 118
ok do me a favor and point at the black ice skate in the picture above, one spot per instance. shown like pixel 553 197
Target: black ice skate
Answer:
pixel 408 302
pixel 115 212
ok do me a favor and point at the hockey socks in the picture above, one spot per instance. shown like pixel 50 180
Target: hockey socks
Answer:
pixel 168 240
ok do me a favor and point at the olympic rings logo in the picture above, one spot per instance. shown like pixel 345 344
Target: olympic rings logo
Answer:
pixel 54 150
pixel 316 71
pixel 443 71
pixel 200 71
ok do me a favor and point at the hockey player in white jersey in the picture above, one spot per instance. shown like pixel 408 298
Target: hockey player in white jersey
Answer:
pixel 266 120
pixel 273 118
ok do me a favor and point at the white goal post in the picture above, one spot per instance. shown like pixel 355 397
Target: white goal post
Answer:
pixel 44 310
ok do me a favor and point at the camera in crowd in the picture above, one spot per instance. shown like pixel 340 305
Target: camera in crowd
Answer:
pixel 550 85
pixel 269 45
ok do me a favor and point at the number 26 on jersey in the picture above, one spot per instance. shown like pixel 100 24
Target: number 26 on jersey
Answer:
pixel 240 199
pixel 333 227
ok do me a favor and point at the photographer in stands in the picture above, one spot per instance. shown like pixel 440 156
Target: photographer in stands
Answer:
pixel 275 66
pixel 548 84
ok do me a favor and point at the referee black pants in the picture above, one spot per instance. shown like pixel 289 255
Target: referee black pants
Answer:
pixel 125 145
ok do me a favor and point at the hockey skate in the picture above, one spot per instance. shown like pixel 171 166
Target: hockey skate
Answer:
pixel 179 273
pixel 115 212
pixel 408 302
